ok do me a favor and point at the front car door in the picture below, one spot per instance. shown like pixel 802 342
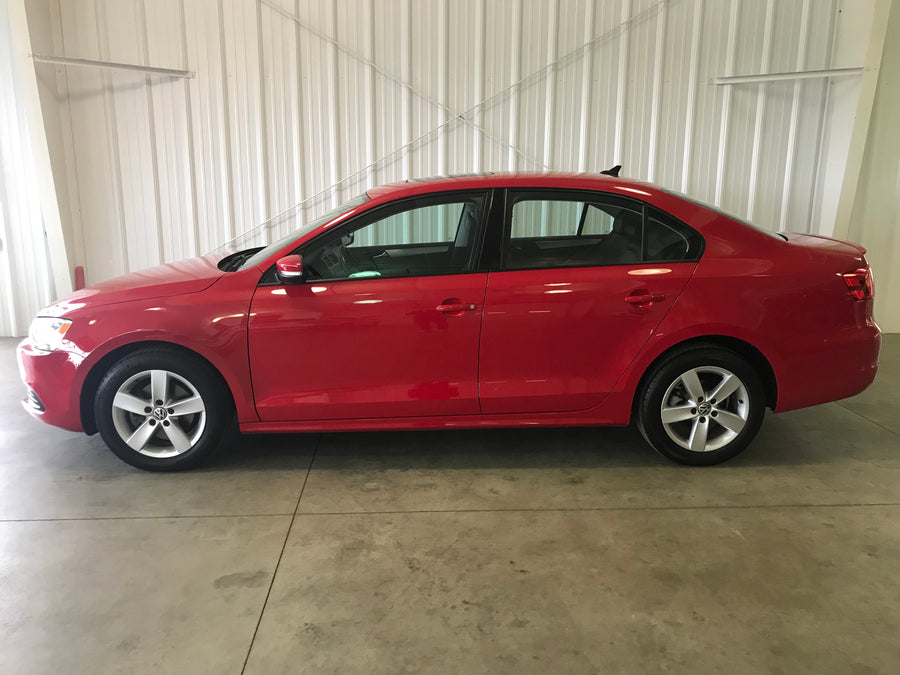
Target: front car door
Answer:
pixel 387 320
pixel 585 278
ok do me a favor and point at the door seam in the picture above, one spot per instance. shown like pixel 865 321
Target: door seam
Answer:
pixel 487 280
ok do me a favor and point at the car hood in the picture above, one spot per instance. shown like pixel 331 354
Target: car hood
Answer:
pixel 178 278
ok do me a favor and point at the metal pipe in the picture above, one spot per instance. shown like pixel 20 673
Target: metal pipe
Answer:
pixel 111 65
pixel 796 75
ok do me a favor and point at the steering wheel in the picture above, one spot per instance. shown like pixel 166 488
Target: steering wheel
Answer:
pixel 349 267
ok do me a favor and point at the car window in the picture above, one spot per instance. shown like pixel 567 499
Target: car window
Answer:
pixel 543 218
pixel 270 250
pixel 424 237
pixel 534 218
pixel 597 220
pixel 667 240
pixel 428 224
pixel 571 233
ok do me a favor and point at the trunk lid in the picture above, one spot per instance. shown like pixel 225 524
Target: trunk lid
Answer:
pixel 825 244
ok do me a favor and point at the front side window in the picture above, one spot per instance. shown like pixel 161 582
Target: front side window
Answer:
pixel 563 230
pixel 272 249
pixel 422 237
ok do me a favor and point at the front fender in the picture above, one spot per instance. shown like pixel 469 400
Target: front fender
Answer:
pixel 212 324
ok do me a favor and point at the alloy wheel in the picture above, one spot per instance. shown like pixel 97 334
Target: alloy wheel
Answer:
pixel 158 413
pixel 705 408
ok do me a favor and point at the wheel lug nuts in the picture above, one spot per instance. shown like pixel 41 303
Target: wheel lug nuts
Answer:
pixel 171 411
pixel 693 411
pixel 152 423
pixel 712 401
pixel 714 413
pixel 703 420
pixel 148 410
pixel 700 400
pixel 166 423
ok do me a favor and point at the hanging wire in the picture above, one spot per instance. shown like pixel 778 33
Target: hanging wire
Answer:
pixel 581 52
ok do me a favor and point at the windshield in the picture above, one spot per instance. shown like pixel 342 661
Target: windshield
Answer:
pixel 276 246
pixel 776 235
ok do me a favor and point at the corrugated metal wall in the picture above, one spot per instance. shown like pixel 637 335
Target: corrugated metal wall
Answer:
pixel 307 102
pixel 26 282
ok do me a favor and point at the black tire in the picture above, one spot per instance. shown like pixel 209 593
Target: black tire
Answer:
pixel 180 435
pixel 723 436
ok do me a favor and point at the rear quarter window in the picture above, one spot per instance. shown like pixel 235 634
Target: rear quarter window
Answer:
pixel 669 240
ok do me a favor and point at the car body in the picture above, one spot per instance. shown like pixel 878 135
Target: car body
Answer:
pixel 482 301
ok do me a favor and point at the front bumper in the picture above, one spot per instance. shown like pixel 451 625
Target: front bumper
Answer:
pixel 49 379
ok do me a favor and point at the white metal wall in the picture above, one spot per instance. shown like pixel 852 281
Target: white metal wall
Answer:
pixel 875 220
pixel 26 281
pixel 309 101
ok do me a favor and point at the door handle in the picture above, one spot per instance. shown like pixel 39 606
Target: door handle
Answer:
pixel 645 298
pixel 454 306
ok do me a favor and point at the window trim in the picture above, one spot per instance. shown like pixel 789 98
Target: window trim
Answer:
pixel 582 219
pixel 269 278
pixel 513 195
pixel 490 253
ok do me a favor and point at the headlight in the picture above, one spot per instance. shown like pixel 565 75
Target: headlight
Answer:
pixel 47 332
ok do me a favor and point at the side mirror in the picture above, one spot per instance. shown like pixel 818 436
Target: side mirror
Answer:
pixel 289 269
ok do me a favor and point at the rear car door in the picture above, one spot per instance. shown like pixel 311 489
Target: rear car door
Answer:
pixel 584 280
pixel 386 322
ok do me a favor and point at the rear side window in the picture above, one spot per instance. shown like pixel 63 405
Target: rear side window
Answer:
pixel 536 218
pixel 597 220
pixel 581 230
pixel 667 240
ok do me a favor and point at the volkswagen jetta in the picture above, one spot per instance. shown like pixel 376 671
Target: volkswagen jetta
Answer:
pixel 489 301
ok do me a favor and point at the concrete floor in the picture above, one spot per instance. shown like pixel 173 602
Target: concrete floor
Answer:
pixel 538 551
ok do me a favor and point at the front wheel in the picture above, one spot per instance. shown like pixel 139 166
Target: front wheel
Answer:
pixel 701 406
pixel 162 410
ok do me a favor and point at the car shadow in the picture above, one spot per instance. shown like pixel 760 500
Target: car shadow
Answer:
pixel 456 448
pixel 792 439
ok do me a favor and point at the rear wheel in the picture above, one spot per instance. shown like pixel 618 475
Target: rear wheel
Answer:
pixel 703 405
pixel 162 410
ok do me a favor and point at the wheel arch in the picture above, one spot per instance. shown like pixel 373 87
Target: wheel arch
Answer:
pixel 741 347
pixel 98 370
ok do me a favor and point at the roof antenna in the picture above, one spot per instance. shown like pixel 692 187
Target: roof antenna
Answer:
pixel 613 171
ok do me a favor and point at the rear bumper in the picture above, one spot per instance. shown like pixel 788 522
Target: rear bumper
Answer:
pixel 841 366
pixel 49 378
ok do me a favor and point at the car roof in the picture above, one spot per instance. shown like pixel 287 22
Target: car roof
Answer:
pixel 577 181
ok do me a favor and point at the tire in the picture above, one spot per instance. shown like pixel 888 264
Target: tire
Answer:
pixel 162 410
pixel 699 427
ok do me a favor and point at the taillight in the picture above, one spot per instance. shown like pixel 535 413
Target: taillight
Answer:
pixel 860 283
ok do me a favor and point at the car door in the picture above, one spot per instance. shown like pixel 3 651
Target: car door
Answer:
pixel 584 281
pixel 385 322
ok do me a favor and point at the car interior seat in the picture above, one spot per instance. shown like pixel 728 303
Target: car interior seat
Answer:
pixel 623 245
pixel 620 247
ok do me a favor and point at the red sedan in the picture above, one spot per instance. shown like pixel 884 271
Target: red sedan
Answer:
pixel 489 301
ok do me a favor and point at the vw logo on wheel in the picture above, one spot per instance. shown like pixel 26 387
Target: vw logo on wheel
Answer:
pixel 160 413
